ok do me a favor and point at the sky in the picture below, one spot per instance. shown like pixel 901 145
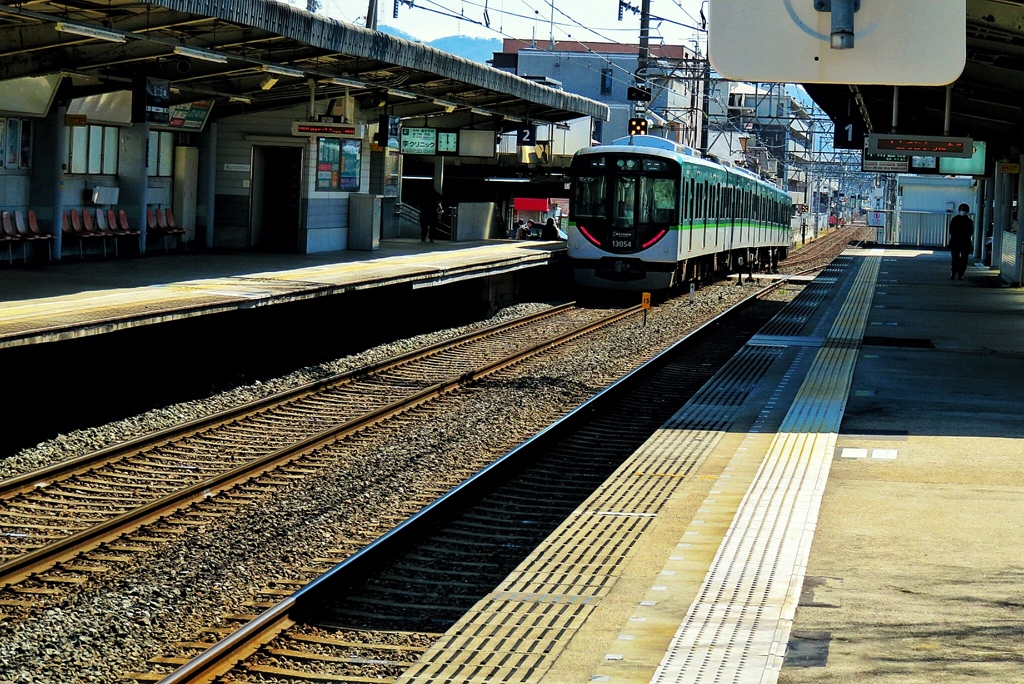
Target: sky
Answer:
pixel 594 20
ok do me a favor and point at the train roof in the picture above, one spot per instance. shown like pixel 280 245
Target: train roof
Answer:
pixel 663 147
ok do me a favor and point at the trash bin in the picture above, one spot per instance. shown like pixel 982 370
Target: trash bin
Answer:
pixel 364 217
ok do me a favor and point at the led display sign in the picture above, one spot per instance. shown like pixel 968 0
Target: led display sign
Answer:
pixel 920 145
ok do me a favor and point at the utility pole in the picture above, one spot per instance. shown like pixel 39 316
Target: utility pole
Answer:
pixel 371 15
pixel 643 58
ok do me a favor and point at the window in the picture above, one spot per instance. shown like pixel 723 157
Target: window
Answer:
pixel 624 201
pixel 15 143
pixel 590 194
pixel 160 159
pixel 658 200
pixel 606 81
pixel 93 150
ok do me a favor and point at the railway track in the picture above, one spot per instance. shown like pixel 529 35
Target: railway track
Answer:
pixel 368 618
pixel 75 520
pixel 825 249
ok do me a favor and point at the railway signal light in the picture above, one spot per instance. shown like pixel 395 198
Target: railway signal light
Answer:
pixel 638 126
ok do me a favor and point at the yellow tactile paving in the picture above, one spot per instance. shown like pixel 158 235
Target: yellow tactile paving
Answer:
pixel 589 562
pixel 93 312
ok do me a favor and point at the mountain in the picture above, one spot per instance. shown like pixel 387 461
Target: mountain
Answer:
pixel 474 49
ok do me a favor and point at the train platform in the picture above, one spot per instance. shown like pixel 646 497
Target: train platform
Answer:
pixel 78 299
pixel 841 503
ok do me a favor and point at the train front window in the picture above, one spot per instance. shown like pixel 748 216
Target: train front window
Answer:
pixel 624 200
pixel 658 200
pixel 590 194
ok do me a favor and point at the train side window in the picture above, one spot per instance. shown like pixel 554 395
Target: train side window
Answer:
pixel 690 207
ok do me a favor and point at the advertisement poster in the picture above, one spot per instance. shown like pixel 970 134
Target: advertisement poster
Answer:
pixel 190 116
pixel 338 164
pixel 419 141
pixel 13 143
pixel 328 163
pixel 26 143
pixel 351 163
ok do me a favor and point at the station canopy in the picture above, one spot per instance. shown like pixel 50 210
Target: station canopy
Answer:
pixel 252 55
pixel 987 98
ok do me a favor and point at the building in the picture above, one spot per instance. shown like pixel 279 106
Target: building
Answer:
pixel 604 71
pixel 764 128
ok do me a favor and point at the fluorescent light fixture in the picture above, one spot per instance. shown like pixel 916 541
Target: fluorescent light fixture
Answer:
pixel 239 99
pixel 345 82
pixel 507 180
pixel 193 53
pixel 283 70
pixel 90 32
pixel 448 105
pixel 268 82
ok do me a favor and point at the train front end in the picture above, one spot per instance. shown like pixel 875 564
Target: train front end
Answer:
pixel 624 218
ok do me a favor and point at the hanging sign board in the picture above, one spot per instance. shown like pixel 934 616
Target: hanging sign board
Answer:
pixel 189 116
pixel 326 130
pixel 921 145
pixel 419 141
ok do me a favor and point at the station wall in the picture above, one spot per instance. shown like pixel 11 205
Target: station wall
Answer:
pixel 323 219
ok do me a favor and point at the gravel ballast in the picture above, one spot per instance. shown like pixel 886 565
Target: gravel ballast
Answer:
pixel 110 628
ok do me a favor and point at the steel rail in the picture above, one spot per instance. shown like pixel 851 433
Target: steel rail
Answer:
pixel 45 557
pixel 227 653
pixel 18 484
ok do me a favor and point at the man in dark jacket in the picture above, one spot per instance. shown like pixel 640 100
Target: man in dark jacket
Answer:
pixel 961 233
pixel 430 207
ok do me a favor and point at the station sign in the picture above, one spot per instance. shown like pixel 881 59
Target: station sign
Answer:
pixel 189 116
pixel 849 133
pixel 883 163
pixel 920 145
pixel 326 130
pixel 429 141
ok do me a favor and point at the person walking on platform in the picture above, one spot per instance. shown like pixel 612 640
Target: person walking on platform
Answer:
pixel 430 207
pixel 961 234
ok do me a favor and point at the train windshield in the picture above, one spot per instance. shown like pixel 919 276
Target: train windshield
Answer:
pixel 658 200
pixel 590 194
pixel 624 201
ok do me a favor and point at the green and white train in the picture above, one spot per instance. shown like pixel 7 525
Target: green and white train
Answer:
pixel 645 215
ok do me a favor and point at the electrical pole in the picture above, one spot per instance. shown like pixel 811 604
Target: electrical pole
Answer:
pixel 643 58
pixel 371 15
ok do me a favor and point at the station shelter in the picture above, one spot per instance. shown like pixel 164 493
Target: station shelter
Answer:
pixel 252 125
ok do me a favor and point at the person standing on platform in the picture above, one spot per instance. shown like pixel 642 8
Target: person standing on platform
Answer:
pixel 549 231
pixel 430 206
pixel 961 234
pixel 522 232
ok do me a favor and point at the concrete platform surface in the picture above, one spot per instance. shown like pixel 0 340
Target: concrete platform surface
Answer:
pixel 841 503
pixel 74 299
pixel 917 569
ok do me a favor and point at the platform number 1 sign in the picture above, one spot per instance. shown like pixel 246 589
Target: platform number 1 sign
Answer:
pixel 850 132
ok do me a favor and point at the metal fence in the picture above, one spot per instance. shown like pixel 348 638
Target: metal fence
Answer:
pixel 916 228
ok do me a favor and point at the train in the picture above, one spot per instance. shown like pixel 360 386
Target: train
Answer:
pixel 647 214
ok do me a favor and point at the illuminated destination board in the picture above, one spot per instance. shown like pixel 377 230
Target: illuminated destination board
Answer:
pixel 920 145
